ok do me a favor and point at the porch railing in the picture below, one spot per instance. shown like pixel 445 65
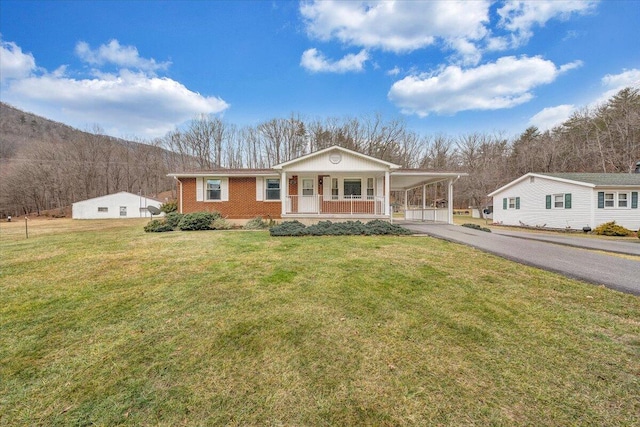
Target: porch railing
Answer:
pixel 320 205
pixel 427 214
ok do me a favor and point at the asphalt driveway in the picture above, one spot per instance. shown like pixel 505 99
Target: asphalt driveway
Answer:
pixel 576 257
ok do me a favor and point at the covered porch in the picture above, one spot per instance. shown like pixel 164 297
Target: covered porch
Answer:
pixel 418 195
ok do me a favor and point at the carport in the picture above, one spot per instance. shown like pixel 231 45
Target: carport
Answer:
pixel 419 191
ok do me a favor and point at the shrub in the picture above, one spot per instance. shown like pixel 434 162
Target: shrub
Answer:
pixel 198 221
pixel 168 207
pixel 221 224
pixel 259 224
pixel 157 226
pixel 612 229
pixel 173 219
pixel 327 228
pixel 476 227
pixel 288 228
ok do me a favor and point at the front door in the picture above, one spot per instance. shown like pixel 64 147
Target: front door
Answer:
pixel 308 199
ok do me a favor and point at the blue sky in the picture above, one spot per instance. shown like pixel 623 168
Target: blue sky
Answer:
pixel 142 68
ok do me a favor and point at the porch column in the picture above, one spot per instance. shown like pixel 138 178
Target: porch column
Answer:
pixel 406 202
pixel 387 194
pixel 284 190
pixel 450 201
pixel 424 200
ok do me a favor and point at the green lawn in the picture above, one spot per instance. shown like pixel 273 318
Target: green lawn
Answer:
pixel 102 324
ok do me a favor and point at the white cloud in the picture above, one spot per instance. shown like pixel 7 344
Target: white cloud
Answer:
pixel 398 26
pixel 316 62
pixel 520 16
pixel 394 71
pixel 614 83
pixel 550 117
pixel 503 84
pixel 121 56
pixel 125 103
pixel 13 63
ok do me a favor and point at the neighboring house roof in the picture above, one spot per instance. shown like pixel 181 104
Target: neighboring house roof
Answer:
pixel 592 180
pixel 601 179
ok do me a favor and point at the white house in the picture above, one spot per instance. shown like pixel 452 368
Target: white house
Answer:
pixel 117 205
pixel 569 200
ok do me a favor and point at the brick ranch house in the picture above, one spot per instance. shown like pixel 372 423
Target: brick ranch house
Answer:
pixel 334 183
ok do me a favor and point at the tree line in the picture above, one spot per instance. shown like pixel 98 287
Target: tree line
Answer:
pixel 604 138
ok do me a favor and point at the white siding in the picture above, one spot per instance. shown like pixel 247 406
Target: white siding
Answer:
pixel 533 211
pixel 88 209
pixel 348 162
pixel 626 217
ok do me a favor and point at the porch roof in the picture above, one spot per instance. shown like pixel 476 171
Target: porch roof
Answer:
pixel 406 179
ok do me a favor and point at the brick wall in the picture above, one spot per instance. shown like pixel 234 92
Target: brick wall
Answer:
pixel 242 202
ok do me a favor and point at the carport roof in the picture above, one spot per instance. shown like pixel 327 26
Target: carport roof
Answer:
pixel 406 179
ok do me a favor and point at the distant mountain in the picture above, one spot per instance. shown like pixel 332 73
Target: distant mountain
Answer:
pixel 19 130
pixel 48 165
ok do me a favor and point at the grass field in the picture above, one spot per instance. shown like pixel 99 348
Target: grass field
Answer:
pixel 102 324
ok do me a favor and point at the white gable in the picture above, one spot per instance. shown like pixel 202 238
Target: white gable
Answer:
pixel 336 159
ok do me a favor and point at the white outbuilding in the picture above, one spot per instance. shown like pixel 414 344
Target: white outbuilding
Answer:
pixel 569 200
pixel 118 205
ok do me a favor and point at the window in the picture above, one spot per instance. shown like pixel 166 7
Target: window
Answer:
pixel 214 191
pixel 614 200
pixel 334 188
pixel 558 201
pixel 123 211
pixel 370 188
pixel 273 189
pixel 623 200
pixel 307 186
pixel 609 200
pixel 511 203
pixel 352 188
pixel 103 209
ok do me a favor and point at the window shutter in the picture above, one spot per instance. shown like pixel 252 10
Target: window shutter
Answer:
pixel 504 204
pixel 199 189
pixel 224 183
pixel 634 200
pixel 548 201
pixel 380 187
pixel 517 202
pixel 259 188
pixel 600 199
pixel 567 201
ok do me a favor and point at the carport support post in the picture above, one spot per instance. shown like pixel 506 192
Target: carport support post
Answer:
pixel 450 201
pixel 424 200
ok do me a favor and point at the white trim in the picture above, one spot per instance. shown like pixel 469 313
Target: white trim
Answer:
pixel 336 148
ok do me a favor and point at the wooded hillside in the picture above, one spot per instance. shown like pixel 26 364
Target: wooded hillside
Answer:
pixel 48 165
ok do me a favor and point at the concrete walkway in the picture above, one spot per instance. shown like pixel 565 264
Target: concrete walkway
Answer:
pixel 576 257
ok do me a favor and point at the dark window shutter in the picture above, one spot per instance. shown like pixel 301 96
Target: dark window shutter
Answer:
pixel 548 197
pixel 504 204
pixel 634 199
pixel 567 201
pixel 600 199
pixel 517 202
